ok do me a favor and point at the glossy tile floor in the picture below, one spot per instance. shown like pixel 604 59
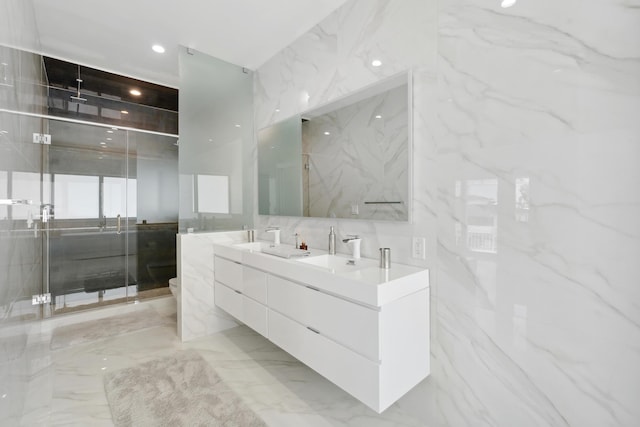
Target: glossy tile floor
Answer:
pixel 64 387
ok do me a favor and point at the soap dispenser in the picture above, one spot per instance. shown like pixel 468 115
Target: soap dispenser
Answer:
pixel 332 242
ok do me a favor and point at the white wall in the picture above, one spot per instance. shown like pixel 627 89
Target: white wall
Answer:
pixel 535 317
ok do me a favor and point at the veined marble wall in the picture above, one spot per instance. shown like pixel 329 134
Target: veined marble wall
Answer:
pixel 20 163
pixel 540 100
pixel 20 249
pixel 525 184
pixel 363 158
pixel 334 59
pixel 198 315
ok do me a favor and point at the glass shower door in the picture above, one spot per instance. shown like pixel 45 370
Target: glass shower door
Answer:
pixel 86 226
pixel 21 250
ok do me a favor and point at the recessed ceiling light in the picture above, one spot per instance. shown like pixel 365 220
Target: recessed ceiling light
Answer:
pixel 124 112
pixel 237 126
pixel 507 3
pixel 277 110
pixel 103 143
pixel 376 63
pixel 135 92
pixel 157 48
pixel 378 116
pixel 109 131
pixel 109 139
pixel 114 128
pixel 327 133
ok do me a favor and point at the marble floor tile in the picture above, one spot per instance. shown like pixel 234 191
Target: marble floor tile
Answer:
pixel 64 387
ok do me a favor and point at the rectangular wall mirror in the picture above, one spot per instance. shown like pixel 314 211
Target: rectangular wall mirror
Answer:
pixel 345 159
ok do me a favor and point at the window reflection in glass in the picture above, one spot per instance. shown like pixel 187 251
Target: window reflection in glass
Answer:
pixel 76 196
pixel 4 176
pixel 213 194
pixel 116 196
pixel 25 186
pixel 482 218
pixel 522 199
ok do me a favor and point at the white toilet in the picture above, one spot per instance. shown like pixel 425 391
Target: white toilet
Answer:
pixel 174 287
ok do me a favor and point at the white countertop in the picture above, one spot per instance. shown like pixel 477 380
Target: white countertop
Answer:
pixel 365 283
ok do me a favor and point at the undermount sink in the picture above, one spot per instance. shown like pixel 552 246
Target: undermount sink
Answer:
pixel 254 246
pixel 338 263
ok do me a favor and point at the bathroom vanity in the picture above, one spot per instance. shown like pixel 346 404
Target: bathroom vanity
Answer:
pixel 364 328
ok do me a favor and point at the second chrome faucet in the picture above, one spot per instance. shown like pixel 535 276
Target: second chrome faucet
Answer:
pixel 276 234
pixel 354 241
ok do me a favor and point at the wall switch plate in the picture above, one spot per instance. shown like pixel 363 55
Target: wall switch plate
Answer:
pixel 418 248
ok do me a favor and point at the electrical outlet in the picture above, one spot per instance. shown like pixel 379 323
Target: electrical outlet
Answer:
pixel 417 248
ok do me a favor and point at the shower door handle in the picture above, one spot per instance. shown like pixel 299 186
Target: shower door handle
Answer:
pixel 45 215
pixel 119 224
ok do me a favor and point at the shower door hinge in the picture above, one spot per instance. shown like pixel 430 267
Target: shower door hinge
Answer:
pixel 41 138
pixel 41 299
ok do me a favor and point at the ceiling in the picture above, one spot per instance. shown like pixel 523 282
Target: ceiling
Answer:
pixel 117 35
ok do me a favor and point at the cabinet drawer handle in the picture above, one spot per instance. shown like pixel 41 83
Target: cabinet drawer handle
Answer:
pixel 313 330
pixel 313 289
pixel 236 262
pixel 237 292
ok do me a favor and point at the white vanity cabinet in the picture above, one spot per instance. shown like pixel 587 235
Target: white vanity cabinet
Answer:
pixel 242 292
pixel 374 352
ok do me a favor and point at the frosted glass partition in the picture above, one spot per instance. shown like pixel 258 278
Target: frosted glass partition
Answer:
pixel 216 139
pixel 157 178
pixel 279 169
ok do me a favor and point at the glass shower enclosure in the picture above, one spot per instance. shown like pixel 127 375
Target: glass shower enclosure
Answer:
pixel 88 210
pixel 99 216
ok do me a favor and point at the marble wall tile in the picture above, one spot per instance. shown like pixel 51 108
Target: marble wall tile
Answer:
pixel 537 150
pixel 20 248
pixel 328 62
pixel 197 313
pixel 20 245
pixel 525 185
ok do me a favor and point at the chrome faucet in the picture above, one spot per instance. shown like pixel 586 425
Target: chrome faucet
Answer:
pixel 354 241
pixel 276 234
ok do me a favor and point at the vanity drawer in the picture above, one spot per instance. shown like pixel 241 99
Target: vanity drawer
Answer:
pixel 352 325
pixel 348 370
pixel 228 273
pixel 254 284
pixel 249 281
pixel 228 299
pixel 254 315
